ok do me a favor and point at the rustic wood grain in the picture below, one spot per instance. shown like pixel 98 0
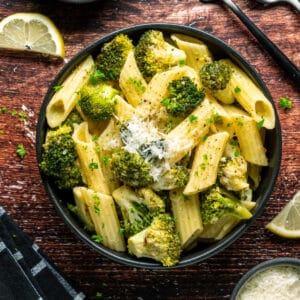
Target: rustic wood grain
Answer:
pixel 23 84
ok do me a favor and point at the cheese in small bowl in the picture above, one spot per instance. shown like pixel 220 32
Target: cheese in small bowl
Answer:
pixel 276 279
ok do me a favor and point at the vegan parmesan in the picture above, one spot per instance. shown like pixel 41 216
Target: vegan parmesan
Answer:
pixel 273 283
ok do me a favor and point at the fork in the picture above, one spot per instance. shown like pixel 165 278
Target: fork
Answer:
pixel 295 3
pixel 282 60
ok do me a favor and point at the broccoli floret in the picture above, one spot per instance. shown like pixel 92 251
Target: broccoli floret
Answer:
pixel 215 76
pixel 173 178
pixel 131 168
pixel 183 97
pixel 98 102
pixel 113 56
pixel 159 241
pixel 217 203
pixel 232 173
pixel 154 55
pixel 59 159
pixel 137 208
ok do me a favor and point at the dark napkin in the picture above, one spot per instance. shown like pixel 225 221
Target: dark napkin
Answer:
pixel 25 272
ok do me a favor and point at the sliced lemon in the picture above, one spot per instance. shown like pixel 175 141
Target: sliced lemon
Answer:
pixel 31 32
pixel 287 223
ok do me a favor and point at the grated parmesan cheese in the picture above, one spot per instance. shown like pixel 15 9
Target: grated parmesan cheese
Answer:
pixel 274 283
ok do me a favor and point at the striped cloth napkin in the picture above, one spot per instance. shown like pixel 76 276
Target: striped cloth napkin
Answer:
pixel 25 272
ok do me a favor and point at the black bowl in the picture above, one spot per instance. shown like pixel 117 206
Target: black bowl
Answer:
pixel 276 262
pixel 261 195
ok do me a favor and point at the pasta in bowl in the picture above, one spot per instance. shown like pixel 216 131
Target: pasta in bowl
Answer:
pixel 159 145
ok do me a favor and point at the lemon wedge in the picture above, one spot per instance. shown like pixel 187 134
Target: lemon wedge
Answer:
pixel 31 32
pixel 287 223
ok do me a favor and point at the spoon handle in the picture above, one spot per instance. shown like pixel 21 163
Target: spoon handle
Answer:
pixel 274 51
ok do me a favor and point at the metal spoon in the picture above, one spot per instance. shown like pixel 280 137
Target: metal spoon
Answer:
pixel 291 70
pixel 295 3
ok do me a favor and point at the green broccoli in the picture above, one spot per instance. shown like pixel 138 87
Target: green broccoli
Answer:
pixel 159 241
pixel 154 55
pixel 59 159
pixel 215 76
pixel 217 203
pixel 137 208
pixel 232 173
pixel 131 168
pixel 173 178
pixel 98 102
pixel 183 97
pixel 113 56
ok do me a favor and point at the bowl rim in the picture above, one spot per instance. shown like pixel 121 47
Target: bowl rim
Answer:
pixel 274 262
pixel 211 249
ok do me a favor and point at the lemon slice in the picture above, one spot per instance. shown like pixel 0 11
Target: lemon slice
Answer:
pixel 31 32
pixel 287 223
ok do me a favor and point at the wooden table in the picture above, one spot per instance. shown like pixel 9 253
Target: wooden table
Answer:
pixel 23 84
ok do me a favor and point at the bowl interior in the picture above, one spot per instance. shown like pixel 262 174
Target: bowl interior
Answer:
pixel 261 195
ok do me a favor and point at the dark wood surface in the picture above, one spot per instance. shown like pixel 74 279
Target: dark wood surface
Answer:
pixel 23 84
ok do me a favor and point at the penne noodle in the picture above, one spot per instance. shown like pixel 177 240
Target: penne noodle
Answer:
pixel 205 163
pixel 250 140
pixel 186 211
pixel 89 160
pixel 185 136
pixel 104 216
pixel 65 99
pixel 82 208
pixel 250 97
pixel 131 81
pixel 123 110
pixel 197 53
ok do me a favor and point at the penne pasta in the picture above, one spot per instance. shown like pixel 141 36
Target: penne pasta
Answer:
pixel 250 140
pixel 82 208
pixel 205 163
pixel 89 160
pixel 250 97
pixel 105 219
pixel 65 99
pixel 131 81
pixel 185 136
pixel 186 211
pixel 123 110
pixel 197 52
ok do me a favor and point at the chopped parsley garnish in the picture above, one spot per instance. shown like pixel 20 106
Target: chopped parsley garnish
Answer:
pixel 182 63
pixel 99 295
pixel 1 131
pixel 138 84
pixel 4 109
pixel 56 88
pixel 260 123
pixel 14 113
pixel 193 118
pixel 95 137
pixel 105 159
pixel 93 165
pixel 22 116
pixel 285 102
pixel 237 89
pixel 97 238
pixel 237 152
pixel 97 208
pixel 21 151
